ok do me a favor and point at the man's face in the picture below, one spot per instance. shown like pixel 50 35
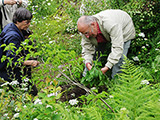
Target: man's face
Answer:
pixel 88 30
pixel 24 24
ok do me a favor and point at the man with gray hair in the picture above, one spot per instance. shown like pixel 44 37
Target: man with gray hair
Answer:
pixel 114 26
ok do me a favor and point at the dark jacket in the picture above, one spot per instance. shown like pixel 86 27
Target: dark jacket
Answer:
pixel 11 34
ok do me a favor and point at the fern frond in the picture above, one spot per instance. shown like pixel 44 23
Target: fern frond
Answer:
pixel 134 96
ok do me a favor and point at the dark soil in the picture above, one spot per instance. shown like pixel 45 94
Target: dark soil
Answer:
pixel 72 92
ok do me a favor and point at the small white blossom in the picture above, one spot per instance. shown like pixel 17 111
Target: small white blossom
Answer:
pixel 38 101
pixel 1 90
pixel 24 43
pixel 48 106
pixel 123 109
pixel 26 79
pixel 49 3
pixel 52 94
pixel 72 35
pixel 156 71
pixel 110 96
pixel 6 114
pixel 50 42
pixel 15 82
pixel 16 109
pixel 93 88
pixel 135 58
pixel 24 106
pixel 16 115
pixel 144 82
pixel 35 119
pixel 73 94
pixel 145 39
pixel 24 89
pixel 141 35
pixel 73 101
pixel 6 83
pixel 143 47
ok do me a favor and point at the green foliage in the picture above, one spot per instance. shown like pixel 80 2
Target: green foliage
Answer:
pixel 95 77
pixel 134 95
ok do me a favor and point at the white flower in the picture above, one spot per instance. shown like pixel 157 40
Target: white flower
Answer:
pixel 156 71
pixel 24 43
pixel 16 109
pixel 1 90
pixel 16 115
pixel 5 115
pixel 135 58
pixel 73 101
pixel 51 42
pixel 52 94
pixel 144 82
pixel 93 88
pixel 15 82
pixel 24 89
pixel 141 35
pixel 6 83
pixel 26 79
pixel 123 109
pixel 145 39
pixel 35 119
pixel 143 47
pixel 73 94
pixel 24 106
pixel 38 101
pixel 110 96
pixel 49 3
pixel 72 35
pixel 48 106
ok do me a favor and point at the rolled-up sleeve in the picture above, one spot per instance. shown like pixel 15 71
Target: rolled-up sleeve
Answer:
pixel 88 50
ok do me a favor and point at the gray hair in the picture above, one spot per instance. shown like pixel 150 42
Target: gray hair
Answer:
pixel 86 19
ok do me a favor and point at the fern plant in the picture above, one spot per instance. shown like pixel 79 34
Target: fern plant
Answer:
pixel 134 98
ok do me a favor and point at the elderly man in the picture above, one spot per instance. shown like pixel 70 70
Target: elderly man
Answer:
pixel 114 26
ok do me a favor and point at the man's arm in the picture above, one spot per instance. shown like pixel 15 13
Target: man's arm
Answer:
pixel 8 2
pixel 88 50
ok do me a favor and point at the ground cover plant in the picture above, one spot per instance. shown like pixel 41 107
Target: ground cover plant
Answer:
pixel 132 95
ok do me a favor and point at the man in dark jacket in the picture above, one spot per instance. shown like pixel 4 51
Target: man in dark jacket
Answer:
pixel 12 33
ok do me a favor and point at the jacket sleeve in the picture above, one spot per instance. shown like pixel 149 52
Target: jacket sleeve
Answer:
pixel 24 3
pixel 116 35
pixel 88 50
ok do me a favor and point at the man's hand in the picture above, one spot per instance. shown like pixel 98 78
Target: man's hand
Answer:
pixel 104 69
pixel 89 66
pixel 10 2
